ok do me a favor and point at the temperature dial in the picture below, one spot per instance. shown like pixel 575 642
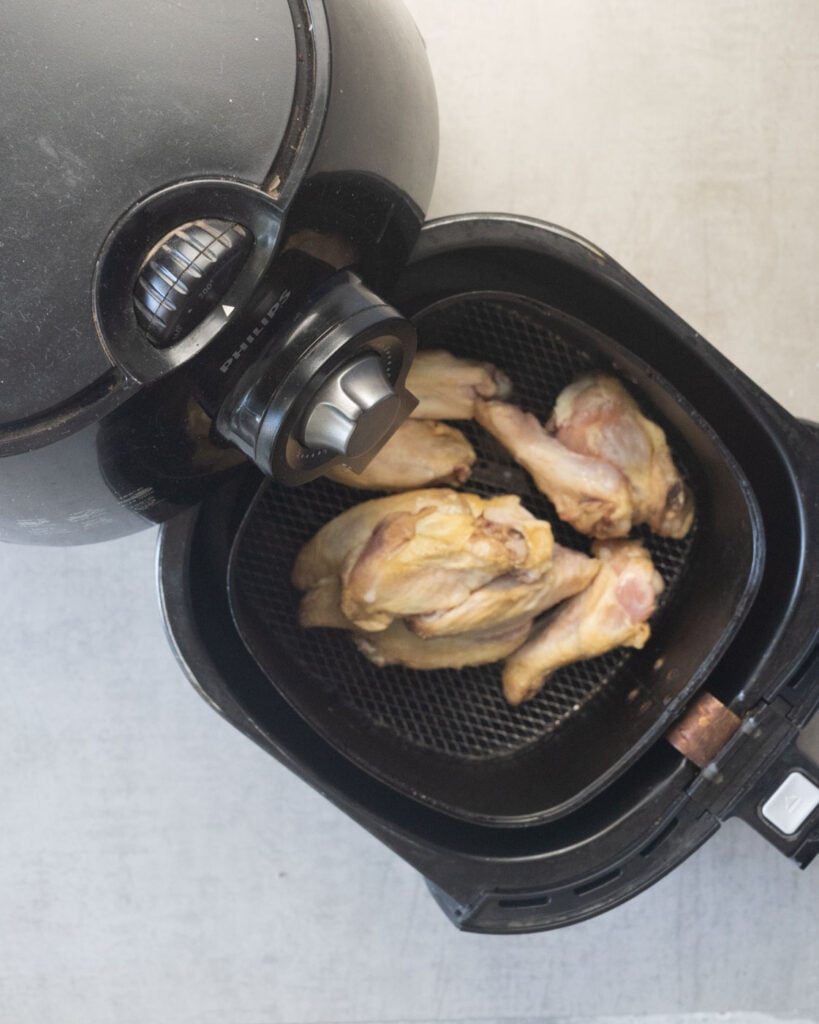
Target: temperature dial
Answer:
pixel 185 276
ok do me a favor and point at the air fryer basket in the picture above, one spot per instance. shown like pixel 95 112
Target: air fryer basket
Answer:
pixel 447 737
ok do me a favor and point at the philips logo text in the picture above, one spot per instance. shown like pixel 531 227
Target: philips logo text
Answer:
pixel 254 334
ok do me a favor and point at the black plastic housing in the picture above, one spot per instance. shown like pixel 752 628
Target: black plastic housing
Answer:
pixel 102 107
pixel 661 808
pixel 100 431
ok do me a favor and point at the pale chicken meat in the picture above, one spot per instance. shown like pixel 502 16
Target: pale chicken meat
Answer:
pixel 588 493
pixel 431 559
pixel 398 646
pixel 320 606
pixel 413 553
pixel 611 612
pixel 447 387
pixel 596 417
pixel 324 554
pixel 419 454
pixel 512 598
pixel 434 578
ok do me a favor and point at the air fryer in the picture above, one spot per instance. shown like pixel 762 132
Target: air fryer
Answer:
pixel 236 314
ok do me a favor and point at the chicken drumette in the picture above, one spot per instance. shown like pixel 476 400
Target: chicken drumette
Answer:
pixel 432 559
pixel 425 551
pixel 597 417
pixel 588 493
pixel 420 552
pixel 512 598
pixel 324 554
pixel 604 466
pixel 420 453
pixel 397 645
pixel 447 387
pixel 611 612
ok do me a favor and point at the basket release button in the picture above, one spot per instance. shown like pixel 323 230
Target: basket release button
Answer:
pixel 791 804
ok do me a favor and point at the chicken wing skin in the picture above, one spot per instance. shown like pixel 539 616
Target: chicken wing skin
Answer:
pixel 446 387
pixel 511 598
pixel 611 612
pixel 420 453
pixel 595 416
pixel 589 493
pixel 321 606
pixel 398 646
pixel 324 554
pixel 433 558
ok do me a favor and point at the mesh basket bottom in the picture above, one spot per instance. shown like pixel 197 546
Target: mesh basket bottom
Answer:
pixel 457 713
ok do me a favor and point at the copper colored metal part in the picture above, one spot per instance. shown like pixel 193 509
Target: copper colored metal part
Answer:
pixel 703 730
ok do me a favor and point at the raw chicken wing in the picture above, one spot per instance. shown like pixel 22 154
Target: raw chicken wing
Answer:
pixel 512 598
pixel 420 453
pixel 433 558
pixel 398 646
pixel 590 494
pixel 446 387
pixel 324 554
pixel 611 612
pixel 597 417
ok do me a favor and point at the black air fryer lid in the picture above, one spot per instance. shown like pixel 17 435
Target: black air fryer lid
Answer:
pixel 198 205
pixel 125 100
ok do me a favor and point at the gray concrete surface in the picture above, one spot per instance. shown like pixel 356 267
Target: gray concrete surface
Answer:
pixel 156 867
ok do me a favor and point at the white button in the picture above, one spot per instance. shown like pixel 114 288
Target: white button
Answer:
pixel 790 806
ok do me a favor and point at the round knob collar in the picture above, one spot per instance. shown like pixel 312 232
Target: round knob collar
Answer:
pixel 353 410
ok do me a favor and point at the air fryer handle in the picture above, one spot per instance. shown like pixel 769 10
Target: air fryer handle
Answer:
pixel 783 804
